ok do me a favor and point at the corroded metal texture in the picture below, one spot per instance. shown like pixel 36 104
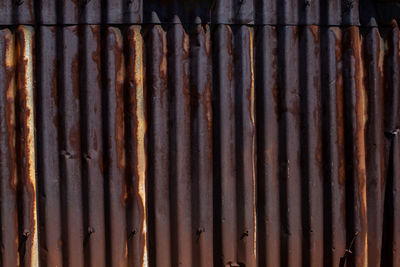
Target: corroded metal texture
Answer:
pixel 258 12
pixel 199 145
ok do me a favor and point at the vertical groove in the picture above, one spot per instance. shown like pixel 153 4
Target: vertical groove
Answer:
pixel 8 167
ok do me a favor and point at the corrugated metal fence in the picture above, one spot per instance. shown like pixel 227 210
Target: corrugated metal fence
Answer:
pixel 239 141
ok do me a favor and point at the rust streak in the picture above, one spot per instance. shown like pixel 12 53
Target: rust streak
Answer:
pixel 25 91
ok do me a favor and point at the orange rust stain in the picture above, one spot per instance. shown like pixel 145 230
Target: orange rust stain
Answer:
pixel 25 84
pixel 96 54
pixel 119 93
pixel 75 73
pixel 137 104
pixel 360 110
pixel 163 64
pixel 339 106
pixel 230 52
pixel 186 85
pixel 74 136
pixel 207 40
pixel 315 32
pixel 9 59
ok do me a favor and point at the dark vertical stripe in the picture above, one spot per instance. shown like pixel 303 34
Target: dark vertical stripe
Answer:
pixel 8 167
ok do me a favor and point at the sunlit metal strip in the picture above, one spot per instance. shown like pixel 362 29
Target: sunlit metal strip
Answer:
pixel 139 131
pixel 27 168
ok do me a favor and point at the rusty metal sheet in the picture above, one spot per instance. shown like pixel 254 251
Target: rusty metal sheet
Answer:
pixel 264 12
pixel 199 145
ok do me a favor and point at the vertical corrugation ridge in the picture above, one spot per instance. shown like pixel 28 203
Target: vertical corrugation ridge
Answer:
pixel 178 72
pixel 225 179
pixel 201 141
pixel 245 134
pixel 116 160
pixel 93 166
pixel 373 51
pixel 28 247
pixel 266 96
pixel 71 149
pixel 136 131
pixel 158 186
pixel 355 157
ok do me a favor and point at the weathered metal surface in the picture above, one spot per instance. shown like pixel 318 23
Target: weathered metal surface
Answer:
pixel 199 145
pixel 262 12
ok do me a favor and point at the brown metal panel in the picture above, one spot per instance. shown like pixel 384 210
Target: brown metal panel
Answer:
pixel 8 167
pixel 227 145
pixel 71 157
pixel 49 182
